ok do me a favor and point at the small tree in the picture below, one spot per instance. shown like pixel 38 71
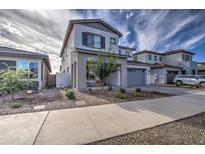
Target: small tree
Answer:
pixel 103 67
pixel 25 82
pixel 9 81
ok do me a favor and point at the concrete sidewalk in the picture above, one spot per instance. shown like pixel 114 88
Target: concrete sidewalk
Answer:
pixel 88 124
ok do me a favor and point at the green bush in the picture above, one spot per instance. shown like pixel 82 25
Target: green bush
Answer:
pixel 15 105
pixel 139 94
pixel 70 94
pixel 122 90
pixel 138 90
pixel 110 88
pixel 121 95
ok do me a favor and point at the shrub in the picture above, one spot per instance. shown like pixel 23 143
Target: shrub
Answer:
pixel 110 88
pixel 16 105
pixel 122 90
pixel 70 94
pixel 139 94
pixel 121 95
pixel 138 90
pixel 89 89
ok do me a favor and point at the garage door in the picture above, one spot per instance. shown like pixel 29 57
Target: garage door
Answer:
pixel 135 77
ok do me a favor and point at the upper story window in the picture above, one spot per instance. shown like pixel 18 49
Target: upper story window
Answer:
pixel 113 41
pixel 160 58
pixel 149 57
pixel 186 57
pixel 155 58
pixel 127 53
pixel 93 40
pixel 120 52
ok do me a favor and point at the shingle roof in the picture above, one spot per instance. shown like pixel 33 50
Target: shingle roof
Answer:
pixel 12 52
pixel 148 51
pixel 155 66
pixel 126 48
pixel 81 21
pixel 178 51
pixel 165 53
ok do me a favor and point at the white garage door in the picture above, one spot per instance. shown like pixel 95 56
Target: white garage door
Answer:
pixel 135 77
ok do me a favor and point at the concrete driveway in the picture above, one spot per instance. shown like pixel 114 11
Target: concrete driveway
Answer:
pixel 88 124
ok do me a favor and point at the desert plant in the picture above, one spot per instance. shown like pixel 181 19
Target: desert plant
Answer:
pixel 122 90
pixel 15 104
pixel 138 90
pixel 9 81
pixel 110 88
pixel 121 95
pixel 139 94
pixel 103 67
pixel 70 94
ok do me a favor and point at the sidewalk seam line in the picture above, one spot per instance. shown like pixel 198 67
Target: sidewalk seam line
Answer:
pixel 40 128
pixel 93 123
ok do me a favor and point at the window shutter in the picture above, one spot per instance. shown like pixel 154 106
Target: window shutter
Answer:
pixel 84 38
pixel 103 42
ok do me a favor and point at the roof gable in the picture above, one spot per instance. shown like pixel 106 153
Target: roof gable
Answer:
pixel 94 23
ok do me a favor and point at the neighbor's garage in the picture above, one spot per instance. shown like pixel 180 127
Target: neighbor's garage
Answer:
pixel 135 77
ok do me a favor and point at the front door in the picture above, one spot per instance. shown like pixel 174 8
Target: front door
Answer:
pixel 170 76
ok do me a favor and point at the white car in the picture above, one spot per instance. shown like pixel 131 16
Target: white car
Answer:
pixel 180 80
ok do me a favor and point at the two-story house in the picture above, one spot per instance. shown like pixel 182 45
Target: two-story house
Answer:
pixel 166 65
pixel 87 38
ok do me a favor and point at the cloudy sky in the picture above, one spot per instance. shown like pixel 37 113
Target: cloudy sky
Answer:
pixel 159 30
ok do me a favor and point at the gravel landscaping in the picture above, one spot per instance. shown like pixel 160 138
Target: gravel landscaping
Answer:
pixel 47 99
pixel 53 99
pixel 189 131
pixel 91 98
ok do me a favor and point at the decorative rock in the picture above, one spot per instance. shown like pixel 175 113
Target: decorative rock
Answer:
pixel 39 107
pixel 80 103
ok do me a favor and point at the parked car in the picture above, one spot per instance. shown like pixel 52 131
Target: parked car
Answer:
pixel 197 80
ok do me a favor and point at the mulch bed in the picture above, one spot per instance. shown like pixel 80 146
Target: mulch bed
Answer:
pixel 51 98
pixel 189 131
pixel 91 98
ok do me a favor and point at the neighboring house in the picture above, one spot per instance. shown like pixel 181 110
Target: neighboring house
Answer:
pixel 36 63
pixel 201 68
pixel 166 65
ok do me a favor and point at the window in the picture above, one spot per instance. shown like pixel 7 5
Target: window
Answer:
pixel 183 72
pixel 30 68
pixel 120 52
pixel 93 40
pixel 149 57
pixel 33 67
pixel 113 41
pixel 127 53
pixel 186 57
pixel 5 63
pixel 155 58
pixel 160 58
pixel 67 69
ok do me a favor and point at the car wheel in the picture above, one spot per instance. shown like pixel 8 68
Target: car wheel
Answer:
pixel 202 84
pixel 179 83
